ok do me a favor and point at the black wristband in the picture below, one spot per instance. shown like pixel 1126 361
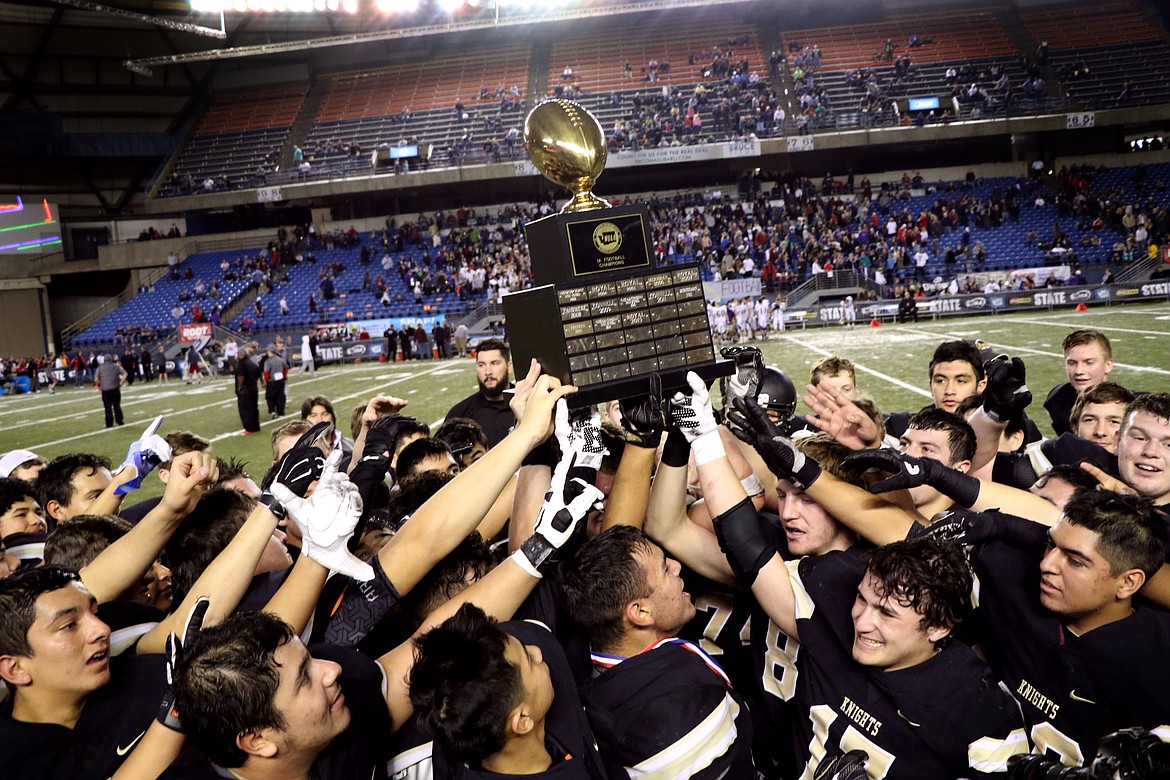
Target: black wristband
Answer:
pixel 677 450
pixel 743 541
pixel 961 488
pixel 274 506
pixel 1019 532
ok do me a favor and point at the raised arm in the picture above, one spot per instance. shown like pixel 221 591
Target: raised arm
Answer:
pixel 379 406
pixel 455 511
pixel 1005 396
pixel 223 582
pixel 737 524
pixel 642 424
pixel 144 454
pixel 965 490
pixel 505 588
pixel 667 521
pixel 123 563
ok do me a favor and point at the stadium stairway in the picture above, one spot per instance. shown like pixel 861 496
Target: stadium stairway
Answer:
pixel 299 130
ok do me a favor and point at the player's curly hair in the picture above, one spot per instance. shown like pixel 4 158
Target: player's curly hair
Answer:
pixel 462 685
pixel 925 575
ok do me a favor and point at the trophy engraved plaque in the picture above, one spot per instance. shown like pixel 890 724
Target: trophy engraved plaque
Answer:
pixel 604 315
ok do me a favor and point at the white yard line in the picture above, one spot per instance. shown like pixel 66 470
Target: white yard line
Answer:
pixel 1075 325
pixel 1029 350
pixel 228 401
pixel 865 369
pixel 359 394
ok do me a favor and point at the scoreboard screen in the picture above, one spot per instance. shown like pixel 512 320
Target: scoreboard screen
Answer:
pixel 28 226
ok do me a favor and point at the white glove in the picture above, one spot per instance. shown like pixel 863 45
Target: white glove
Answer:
pixel 327 520
pixel 148 451
pixel 582 437
pixel 565 505
pixel 695 418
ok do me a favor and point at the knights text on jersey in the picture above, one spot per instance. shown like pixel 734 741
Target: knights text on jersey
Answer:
pixel 946 717
pixel 1072 690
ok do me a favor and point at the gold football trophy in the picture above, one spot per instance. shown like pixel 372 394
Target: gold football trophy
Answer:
pixel 603 315
pixel 566 143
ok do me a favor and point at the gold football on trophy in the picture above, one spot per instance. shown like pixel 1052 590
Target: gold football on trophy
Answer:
pixel 566 144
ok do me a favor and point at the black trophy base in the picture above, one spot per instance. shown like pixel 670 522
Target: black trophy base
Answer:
pixel 607 338
pixel 672 379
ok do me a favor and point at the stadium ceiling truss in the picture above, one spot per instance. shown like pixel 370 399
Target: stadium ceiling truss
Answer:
pixel 144 65
pixel 62 58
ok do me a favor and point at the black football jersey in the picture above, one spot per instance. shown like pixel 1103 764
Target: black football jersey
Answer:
pixel 1072 690
pixel 669 712
pixel 112 721
pixel 947 717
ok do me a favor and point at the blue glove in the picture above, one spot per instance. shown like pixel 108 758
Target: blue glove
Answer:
pixel 147 452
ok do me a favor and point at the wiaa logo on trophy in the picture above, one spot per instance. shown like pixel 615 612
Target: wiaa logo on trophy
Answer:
pixel 607 238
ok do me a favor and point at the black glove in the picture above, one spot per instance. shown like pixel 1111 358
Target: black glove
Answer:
pixel 777 451
pixel 745 382
pixel 300 467
pixel 963 526
pixel 168 713
pixel 1006 393
pixel 382 435
pixel 911 472
pixel 642 416
pixel 850 766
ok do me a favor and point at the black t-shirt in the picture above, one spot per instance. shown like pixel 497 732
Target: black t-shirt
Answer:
pixel 1059 405
pixel 566 730
pixel 495 417
pixel 111 723
pixel 358 753
pixel 946 717
pixel 247 375
pixel 775 665
pixel 1072 690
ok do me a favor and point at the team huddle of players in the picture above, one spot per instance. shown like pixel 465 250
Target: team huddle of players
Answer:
pixel 673 590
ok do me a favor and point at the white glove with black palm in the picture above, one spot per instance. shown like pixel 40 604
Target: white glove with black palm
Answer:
pixel 327 520
pixel 693 415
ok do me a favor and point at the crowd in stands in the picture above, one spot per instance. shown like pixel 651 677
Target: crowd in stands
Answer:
pixel 525 592
pixel 898 235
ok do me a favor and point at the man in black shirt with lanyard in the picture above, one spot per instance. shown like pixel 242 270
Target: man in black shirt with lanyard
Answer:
pixel 488 406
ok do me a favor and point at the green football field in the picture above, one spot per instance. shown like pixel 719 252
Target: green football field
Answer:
pixel 892 363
